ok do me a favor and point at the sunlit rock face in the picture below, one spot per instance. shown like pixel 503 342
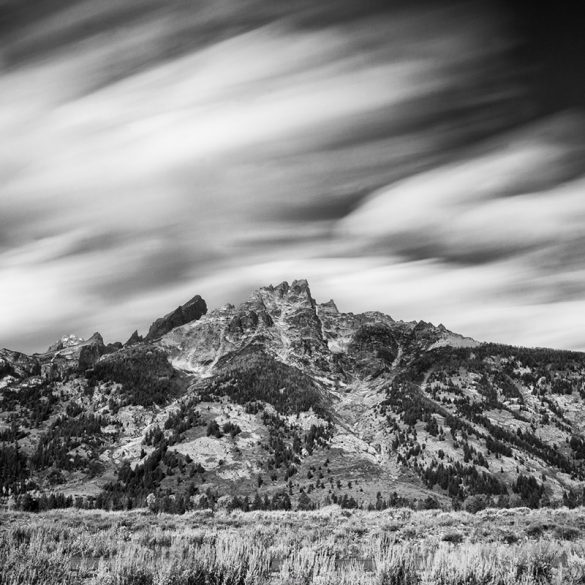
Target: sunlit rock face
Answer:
pixel 65 342
pixel 289 324
pixel 282 318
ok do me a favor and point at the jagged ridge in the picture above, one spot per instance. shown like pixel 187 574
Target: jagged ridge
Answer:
pixel 283 393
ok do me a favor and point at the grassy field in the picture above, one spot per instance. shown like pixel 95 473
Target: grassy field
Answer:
pixel 329 546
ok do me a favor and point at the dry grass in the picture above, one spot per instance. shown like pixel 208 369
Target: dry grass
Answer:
pixel 325 547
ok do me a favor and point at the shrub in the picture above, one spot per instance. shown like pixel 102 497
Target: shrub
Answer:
pixel 453 537
pixel 213 429
pixel 28 565
pixel 397 566
pixel 230 428
pixel 565 532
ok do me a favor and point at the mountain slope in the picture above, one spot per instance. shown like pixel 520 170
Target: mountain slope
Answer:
pixel 282 400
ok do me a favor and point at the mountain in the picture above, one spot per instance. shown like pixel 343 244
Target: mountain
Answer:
pixel 282 401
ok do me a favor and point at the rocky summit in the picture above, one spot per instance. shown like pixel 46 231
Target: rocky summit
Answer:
pixel 190 311
pixel 281 402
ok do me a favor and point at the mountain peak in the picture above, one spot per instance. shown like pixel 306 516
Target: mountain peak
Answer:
pixel 301 285
pixel 281 288
pixel 66 341
pixel 296 292
pixel 251 388
pixel 329 307
pixel 191 311
pixel 299 289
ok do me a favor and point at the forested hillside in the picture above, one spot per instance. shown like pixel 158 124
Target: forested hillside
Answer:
pixel 282 402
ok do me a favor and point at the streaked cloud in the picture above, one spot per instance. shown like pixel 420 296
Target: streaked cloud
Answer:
pixel 391 155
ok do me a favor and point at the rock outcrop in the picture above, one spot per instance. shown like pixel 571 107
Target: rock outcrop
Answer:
pixel 134 338
pixel 72 354
pixel 190 311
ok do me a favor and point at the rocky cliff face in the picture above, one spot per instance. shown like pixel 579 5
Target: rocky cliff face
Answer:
pixel 281 394
pixel 190 311
pixel 72 355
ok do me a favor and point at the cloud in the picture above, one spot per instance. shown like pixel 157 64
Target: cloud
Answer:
pixel 531 221
pixel 505 225
pixel 213 147
pixel 427 207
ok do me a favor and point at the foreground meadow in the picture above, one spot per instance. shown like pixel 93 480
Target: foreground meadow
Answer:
pixel 329 546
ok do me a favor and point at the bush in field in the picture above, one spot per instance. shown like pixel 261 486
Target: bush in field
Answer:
pixel 326 547
pixel 227 561
pixel 305 502
pixel 24 565
pixel 397 566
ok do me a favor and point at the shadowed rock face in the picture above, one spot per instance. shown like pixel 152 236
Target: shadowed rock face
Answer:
pixel 245 322
pixel 143 370
pixel 190 311
pixel 134 338
pixel 122 365
pixel 91 352
pixel 72 354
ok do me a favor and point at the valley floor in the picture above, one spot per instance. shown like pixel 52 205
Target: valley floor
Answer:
pixel 327 547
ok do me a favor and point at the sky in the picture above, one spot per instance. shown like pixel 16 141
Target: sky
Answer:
pixel 424 159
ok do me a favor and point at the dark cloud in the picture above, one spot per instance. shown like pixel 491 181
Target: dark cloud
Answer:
pixel 91 243
pixel 322 208
pixel 550 51
pixel 35 31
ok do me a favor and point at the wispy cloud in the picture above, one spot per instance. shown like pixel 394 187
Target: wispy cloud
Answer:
pixel 207 149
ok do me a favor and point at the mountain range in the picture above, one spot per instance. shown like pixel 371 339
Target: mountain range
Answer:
pixel 283 402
